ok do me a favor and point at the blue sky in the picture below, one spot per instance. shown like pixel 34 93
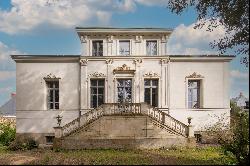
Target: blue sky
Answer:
pixel 38 27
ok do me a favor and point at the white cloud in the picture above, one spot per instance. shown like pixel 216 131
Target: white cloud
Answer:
pixel 5 75
pixel 27 15
pixel 190 41
pixel 236 74
pixel 162 3
pixel 6 63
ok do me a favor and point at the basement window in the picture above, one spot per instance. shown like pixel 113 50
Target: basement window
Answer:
pixel 49 139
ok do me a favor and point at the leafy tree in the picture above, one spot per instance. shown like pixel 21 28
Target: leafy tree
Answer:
pixel 232 14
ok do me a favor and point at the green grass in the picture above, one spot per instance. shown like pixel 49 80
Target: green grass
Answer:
pixel 174 156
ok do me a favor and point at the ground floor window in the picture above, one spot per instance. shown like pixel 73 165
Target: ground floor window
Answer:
pixel 97 92
pixel 151 92
pixel 193 93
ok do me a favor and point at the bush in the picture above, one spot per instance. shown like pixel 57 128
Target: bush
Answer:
pixel 24 144
pixel 235 138
pixel 7 134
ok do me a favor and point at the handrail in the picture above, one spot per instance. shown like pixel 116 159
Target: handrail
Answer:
pixel 123 109
pixel 167 120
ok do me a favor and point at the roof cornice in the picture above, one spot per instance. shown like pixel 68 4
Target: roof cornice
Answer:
pixel 76 58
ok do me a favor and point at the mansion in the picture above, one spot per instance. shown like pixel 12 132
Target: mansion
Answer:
pixel 130 66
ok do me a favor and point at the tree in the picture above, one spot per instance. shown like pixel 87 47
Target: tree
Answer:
pixel 232 14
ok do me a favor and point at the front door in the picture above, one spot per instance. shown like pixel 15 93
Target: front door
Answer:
pixel 124 89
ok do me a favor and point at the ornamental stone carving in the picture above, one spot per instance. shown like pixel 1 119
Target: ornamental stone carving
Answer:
pixel 109 61
pixel 138 39
pixel 51 76
pixel 110 38
pixel 195 75
pixel 84 62
pixel 137 61
pixel 123 69
pixel 164 38
pixel 96 74
pixel 165 61
pixel 151 74
pixel 84 39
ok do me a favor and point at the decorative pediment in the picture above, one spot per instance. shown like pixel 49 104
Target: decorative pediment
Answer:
pixel 96 74
pixel 123 69
pixel 165 60
pixel 84 62
pixel 151 74
pixel 51 76
pixel 195 75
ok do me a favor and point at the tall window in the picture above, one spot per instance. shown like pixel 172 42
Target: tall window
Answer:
pixel 97 48
pixel 124 48
pixel 194 94
pixel 97 92
pixel 151 92
pixel 53 94
pixel 151 47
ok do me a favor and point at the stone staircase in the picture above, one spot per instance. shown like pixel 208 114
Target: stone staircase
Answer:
pixel 123 125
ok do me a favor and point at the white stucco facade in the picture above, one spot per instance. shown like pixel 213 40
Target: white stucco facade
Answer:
pixel 75 73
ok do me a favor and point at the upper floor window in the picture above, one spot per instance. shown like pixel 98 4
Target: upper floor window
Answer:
pixel 97 48
pixel 151 47
pixel 53 94
pixel 193 93
pixel 124 48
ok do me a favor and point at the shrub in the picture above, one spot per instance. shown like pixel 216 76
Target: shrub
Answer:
pixel 234 139
pixel 7 134
pixel 24 144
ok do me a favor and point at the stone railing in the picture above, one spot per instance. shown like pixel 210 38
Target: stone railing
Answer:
pixel 105 109
pixel 165 119
pixel 124 109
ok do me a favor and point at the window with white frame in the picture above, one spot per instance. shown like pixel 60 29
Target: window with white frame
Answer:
pixel 124 47
pixel 52 94
pixel 151 47
pixel 96 92
pixel 97 48
pixel 151 91
pixel 194 94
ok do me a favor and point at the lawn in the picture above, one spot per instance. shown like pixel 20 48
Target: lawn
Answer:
pixel 173 156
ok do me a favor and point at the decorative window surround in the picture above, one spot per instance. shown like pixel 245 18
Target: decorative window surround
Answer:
pixel 195 75
pixel 97 75
pixel 151 74
pixel 51 77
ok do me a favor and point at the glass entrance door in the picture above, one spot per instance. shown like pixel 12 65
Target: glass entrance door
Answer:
pixel 124 89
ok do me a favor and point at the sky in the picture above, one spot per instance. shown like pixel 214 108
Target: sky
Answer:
pixel 40 27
